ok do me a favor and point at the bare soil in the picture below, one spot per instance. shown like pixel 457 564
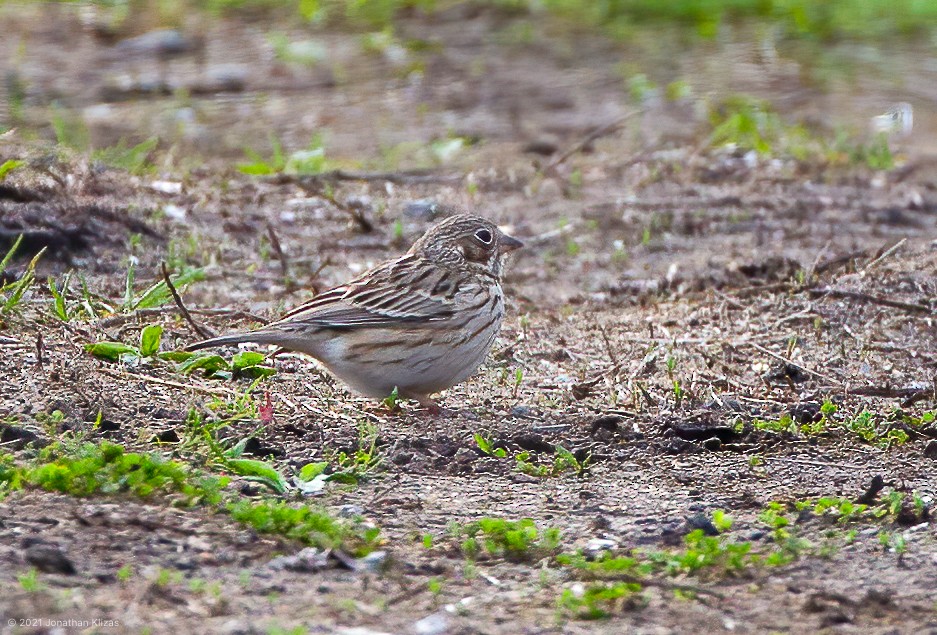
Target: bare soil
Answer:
pixel 771 284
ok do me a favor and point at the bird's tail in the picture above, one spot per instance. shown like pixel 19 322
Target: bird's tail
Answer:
pixel 259 337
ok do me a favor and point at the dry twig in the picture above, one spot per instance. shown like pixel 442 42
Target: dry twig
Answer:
pixel 583 143
pixel 281 257
pixel 846 294
pixel 885 254
pixel 202 332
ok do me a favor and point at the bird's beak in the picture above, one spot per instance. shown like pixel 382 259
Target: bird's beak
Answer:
pixel 509 243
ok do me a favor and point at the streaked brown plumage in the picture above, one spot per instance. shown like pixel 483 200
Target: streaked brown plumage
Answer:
pixel 420 323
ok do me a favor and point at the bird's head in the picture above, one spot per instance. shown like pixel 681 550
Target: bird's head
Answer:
pixel 466 240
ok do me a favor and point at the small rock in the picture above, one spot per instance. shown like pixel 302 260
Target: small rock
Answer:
pixel 703 427
pixel 423 209
pixel 543 146
pixel 174 212
pixel 167 436
pixel 236 627
pixel 701 521
pixel 402 458
pixel 806 412
pixel 362 202
pixel 167 187
pixel 782 372
pixel 49 559
pixel 596 546
pixel 712 444
pixel 308 560
pixel 16 438
pixel 610 424
pixel 521 411
pixel 350 511
pixel 375 562
pixel 434 624
pixel 160 43
pixel 930 450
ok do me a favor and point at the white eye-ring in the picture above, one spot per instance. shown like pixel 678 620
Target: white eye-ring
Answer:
pixel 484 236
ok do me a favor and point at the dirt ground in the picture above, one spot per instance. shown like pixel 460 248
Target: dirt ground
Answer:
pixel 772 285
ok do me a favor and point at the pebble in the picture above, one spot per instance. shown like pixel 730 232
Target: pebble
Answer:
pixel 595 546
pixel 930 450
pixel 158 43
pixel 433 624
pixel 375 562
pixel 49 559
pixel 701 521
pixel 308 560
pixel 422 209
pixel 521 411
pixel 350 511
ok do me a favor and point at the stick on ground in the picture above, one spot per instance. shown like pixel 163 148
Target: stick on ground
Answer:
pixel 201 331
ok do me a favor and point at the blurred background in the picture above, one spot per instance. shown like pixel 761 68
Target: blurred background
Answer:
pixel 638 147
pixel 404 84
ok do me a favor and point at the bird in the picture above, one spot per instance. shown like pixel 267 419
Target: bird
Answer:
pixel 417 324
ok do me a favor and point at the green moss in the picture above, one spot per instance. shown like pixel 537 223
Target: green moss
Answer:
pixel 106 468
pixel 307 525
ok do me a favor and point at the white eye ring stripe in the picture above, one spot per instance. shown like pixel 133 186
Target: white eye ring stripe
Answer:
pixel 479 237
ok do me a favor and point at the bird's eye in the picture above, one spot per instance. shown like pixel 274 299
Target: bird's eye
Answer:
pixel 483 236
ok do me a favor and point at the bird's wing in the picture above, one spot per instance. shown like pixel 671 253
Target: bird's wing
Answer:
pixel 401 292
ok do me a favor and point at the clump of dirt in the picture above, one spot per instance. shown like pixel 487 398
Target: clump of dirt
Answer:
pixel 70 212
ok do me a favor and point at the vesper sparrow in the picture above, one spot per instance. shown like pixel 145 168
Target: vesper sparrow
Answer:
pixel 420 323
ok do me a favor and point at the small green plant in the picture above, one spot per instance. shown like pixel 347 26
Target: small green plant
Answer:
pixel 60 306
pixel 747 123
pixel 9 165
pixel 125 573
pixel 29 581
pixel 722 521
pixel 705 552
pixel 106 468
pixel 70 131
pixel 486 447
pixel 314 527
pixel 360 464
pixel 150 338
pixel 445 150
pixel 157 294
pixel 874 433
pixel 306 52
pixel 597 600
pixel 248 364
pixel 12 293
pixel 311 160
pixel 133 159
pixel 843 511
pixel 390 401
pixel 641 89
pixel 515 540
pixel 563 461
pixel 518 378
pixel 201 437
